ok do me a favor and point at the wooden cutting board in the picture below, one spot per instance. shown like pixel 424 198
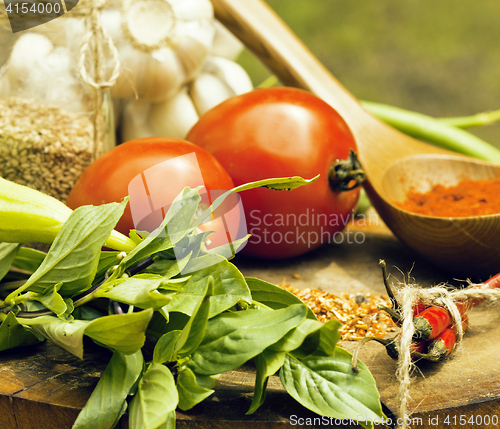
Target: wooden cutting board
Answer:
pixel 45 387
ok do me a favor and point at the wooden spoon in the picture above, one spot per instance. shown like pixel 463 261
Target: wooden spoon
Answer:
pixel 392 160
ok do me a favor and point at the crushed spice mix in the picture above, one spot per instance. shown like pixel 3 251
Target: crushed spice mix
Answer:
pixel 359 314
pixel 467 198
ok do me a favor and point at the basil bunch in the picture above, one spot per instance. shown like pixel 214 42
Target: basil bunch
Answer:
pixel 207 322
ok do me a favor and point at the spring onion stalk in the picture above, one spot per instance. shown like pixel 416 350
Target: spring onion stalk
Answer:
pixel 477 120
pixel 434 131
pixel 27 215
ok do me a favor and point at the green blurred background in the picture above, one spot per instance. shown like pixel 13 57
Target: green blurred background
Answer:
pixel 438 57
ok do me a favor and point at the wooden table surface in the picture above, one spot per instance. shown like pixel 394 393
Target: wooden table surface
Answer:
pixel 45 387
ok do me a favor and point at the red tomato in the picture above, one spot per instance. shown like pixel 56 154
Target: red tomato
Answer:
pixel 280 132
pixel 107 180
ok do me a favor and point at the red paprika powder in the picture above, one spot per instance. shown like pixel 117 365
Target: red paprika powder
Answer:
pixel 467 198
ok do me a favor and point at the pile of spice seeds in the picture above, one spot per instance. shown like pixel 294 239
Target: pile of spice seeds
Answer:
pixel 43 147
pixel 359 314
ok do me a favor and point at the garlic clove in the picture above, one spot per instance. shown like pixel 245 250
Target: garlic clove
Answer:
pixel 135 122
pixel 152 76
pixel 202 30
pixel 225 44
pixel 57 80
pixel 111 21
pixel 192 55
pixel 64 31
pixel 191 10
pixel 231 73
pixel 28 52
pixel 175 117
pixel 207 91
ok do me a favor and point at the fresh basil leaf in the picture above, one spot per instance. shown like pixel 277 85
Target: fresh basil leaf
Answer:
pixel 52 300
pixel 13 334
pixel 140 290
pixel 170 423
pixel 194 330
pixel 29 259
pixel 329 337
pixel 231 339
pixel 295 338
pixel 202 262
pixel 159 325
pixel 8 252
pixel 229 288
pixel 74 256
pixel 85 312
pixel 107 260
pixel 155 399
pixel 278 184
pixel 108 400
pixel 273 296
pixel 7 256
pixel 190 392
pixel 173 228
pixel 123 332
pixel 167 268
pixel 267 363
pixel 65 334
pixel 329 387
pixel 164 350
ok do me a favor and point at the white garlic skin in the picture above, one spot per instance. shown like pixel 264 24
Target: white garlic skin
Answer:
pixel 175 117
pixel 39 70
pixel 225 44
pixel 135 121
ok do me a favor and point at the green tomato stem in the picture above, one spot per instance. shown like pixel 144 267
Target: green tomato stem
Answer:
pixel 477 120
pixel 434 131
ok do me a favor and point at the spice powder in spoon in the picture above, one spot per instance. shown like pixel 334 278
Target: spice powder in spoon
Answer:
pixel 467 198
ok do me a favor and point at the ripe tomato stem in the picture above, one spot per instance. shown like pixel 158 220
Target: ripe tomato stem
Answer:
pixel 346 174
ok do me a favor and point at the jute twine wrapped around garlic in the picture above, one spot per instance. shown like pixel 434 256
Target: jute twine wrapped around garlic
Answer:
pixel 408 296
pixel 100 74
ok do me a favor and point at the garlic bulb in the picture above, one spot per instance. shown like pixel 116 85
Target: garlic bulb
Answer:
pixel 28 52
pixel 162 45
pixel 39 70
pixel 225 44
pixel 175 117
pixel 135 121
pixel 229 72
pixel 219 80
pixel 64 31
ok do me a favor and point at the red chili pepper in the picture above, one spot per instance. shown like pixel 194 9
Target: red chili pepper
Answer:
pixel 442 346
pixel 430 323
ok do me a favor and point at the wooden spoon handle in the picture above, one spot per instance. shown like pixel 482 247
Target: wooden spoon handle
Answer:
pixel 271 40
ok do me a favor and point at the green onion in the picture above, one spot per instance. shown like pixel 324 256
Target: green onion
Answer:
pixel 435 131
pixel 477 120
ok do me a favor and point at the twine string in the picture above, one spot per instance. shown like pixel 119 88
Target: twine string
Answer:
pixel 408 295
pixel 92 69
